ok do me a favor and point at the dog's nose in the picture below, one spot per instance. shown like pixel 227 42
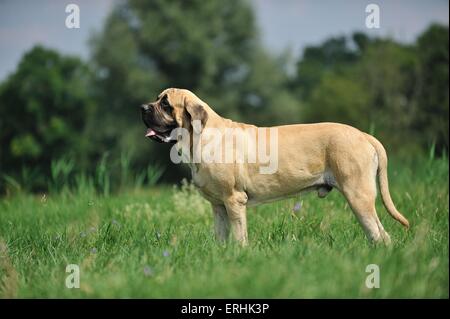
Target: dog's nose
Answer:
pixel 144 107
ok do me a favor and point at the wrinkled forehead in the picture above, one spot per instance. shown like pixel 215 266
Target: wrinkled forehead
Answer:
pixel 173 96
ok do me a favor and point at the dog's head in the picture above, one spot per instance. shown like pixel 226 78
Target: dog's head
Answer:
pixel 174 108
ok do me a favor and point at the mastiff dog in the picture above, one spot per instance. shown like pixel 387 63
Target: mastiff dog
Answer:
pixel 235 165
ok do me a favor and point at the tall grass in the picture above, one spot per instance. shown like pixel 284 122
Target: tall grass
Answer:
pixel 158 241
pixel 64 176
pixel 23 182
pixel 60 171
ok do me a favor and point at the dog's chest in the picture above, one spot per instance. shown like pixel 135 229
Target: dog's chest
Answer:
pixel 205 184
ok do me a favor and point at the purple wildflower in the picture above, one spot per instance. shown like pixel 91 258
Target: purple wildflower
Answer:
pixel 148 271
pixel 297 207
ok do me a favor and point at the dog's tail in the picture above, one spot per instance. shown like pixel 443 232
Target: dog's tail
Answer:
pixel 383 181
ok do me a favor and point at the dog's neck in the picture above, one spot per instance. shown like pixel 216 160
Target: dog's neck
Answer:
pixel 217 121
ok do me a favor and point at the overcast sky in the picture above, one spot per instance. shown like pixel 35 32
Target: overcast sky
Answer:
pixel 284 24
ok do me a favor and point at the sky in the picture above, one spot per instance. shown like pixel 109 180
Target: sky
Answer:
pixel 284 24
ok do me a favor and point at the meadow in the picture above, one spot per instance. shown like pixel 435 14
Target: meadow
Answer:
pixel 157 242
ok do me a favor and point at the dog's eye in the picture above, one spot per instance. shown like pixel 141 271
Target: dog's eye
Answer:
pixel 165 105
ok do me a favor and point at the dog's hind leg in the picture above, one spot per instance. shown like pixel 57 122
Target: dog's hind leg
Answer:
pixel 361 198
pixel 355 176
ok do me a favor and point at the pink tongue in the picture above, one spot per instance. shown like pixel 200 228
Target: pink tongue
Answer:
pixel 150 132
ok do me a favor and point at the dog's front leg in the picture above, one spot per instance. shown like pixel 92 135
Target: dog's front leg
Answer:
pixel 221 223
pixel 236 209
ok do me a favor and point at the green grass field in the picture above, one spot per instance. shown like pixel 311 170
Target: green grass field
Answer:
pixel 158 243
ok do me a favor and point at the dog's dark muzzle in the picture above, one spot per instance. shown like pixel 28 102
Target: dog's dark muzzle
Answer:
pixel 157 130
pixel 149 117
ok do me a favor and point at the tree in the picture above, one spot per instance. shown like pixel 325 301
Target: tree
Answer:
pixel 339 98
pixel 432 48
pixel 389 74
pixel 332 55
pixel 399 91
pixel 44 105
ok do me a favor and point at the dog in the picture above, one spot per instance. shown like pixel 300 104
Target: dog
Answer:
pixel 320 157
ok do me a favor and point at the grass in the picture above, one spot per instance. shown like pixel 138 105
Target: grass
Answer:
pixel 157 242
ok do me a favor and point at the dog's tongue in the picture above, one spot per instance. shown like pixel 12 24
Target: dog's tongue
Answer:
pixel 150 132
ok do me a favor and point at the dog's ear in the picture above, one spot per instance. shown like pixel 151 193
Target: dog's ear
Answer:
pixel 198 116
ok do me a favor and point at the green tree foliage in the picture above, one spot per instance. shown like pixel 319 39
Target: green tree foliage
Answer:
pixel 45 110
pixel 432 120
pixel 388 73
pixel 399 91
pixel 332 56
